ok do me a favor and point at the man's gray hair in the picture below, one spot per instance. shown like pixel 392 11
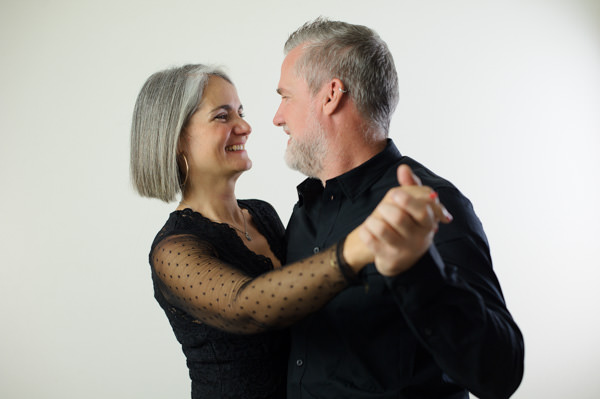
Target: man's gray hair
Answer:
pixel 164 106
pixel 358 57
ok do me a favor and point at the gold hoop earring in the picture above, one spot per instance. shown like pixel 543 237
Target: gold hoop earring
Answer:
pixel 187 170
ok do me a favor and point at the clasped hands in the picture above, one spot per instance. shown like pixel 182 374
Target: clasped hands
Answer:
pixel 401 228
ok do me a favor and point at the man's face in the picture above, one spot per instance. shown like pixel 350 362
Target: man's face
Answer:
pixel 297 115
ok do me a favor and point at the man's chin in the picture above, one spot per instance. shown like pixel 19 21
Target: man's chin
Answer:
pixel 300 162
pixel 290 159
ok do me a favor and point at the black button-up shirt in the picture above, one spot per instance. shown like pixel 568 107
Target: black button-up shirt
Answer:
pixel 435 331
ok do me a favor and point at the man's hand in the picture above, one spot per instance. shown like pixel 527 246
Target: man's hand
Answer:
pixel 401 228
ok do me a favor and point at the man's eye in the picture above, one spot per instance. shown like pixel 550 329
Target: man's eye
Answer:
pixel 242 115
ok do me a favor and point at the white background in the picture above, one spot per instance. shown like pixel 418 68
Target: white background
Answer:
pixel 500 97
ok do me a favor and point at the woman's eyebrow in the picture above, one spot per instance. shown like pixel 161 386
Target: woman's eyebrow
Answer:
pixel 226 107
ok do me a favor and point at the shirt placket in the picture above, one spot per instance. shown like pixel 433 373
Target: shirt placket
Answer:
pixel 327 215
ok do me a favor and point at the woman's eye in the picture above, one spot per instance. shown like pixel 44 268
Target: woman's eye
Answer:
pixel 221 117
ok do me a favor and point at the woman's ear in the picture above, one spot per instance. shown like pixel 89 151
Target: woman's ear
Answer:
pixel 180 143
pixel 334 96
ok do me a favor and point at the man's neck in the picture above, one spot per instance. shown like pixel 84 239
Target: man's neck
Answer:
pixel 347 155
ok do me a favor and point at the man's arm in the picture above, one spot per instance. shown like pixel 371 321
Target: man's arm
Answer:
pixel 449 294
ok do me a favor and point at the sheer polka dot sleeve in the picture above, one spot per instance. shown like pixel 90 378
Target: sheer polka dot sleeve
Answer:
pixel 193 278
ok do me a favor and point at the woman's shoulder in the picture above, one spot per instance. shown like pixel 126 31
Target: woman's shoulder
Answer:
pixel 265 213
pixel 185 221
pixel 260 208
pixel 256 204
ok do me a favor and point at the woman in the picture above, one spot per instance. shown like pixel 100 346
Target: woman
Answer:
pixel 216 264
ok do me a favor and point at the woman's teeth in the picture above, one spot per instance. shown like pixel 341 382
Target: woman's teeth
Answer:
pixel 237 147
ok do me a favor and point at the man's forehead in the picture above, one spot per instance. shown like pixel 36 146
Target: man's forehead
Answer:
pixel 292 56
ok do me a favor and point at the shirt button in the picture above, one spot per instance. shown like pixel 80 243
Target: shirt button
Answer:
pixel 331 198
pixel 299 362
pixel 316 250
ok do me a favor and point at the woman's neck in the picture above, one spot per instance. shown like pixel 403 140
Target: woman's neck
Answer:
pixel 213 199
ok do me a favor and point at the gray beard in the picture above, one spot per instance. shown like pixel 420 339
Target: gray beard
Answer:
pixel 307 157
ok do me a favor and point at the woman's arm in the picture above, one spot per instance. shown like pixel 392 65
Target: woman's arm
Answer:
pixel 194 279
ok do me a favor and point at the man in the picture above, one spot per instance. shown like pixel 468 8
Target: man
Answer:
pixel 434 327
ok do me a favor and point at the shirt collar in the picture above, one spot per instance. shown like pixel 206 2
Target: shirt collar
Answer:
pixel 356 181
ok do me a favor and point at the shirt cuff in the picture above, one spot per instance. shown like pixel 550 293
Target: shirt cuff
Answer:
pixel 430 269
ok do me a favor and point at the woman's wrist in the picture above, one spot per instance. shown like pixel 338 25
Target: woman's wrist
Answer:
pixel 355 253
pixel 350 274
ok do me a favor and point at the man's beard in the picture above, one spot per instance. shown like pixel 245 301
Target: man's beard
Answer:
pixel 308 156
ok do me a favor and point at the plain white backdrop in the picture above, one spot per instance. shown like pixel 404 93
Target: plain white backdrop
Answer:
pixel 500 97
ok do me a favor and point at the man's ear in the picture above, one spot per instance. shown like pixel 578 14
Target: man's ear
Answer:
pixel 334 96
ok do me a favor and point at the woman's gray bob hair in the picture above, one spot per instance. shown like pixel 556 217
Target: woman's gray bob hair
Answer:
pixel 163 108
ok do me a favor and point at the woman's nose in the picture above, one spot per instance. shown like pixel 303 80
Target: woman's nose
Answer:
pixel 242 127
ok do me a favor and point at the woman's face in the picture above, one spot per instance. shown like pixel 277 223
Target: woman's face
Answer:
pixel 215 136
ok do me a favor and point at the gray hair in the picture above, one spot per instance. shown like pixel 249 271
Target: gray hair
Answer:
pixel 164 106
pixel 358 57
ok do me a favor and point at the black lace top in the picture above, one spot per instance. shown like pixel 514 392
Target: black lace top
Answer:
pixel 228 306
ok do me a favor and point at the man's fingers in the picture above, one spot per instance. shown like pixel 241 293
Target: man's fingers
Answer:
pixel 440 211
pixel 394 227
pixel 419 204
pixel 379 228
pixel 416 198
pixel 442 214
pixel 408 180
pixel 406 177
pixel 396 248
pixel 413 214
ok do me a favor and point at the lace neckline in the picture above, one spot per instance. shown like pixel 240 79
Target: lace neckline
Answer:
pixel 189 212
